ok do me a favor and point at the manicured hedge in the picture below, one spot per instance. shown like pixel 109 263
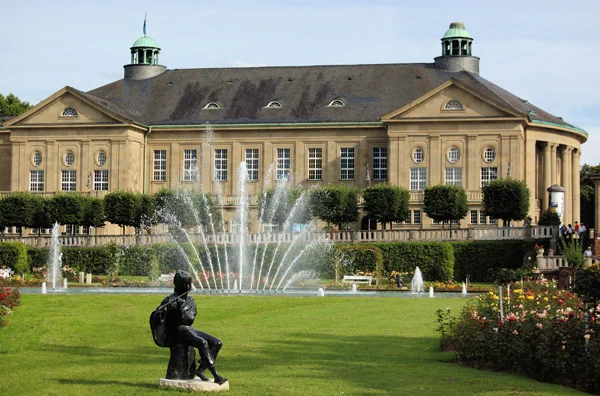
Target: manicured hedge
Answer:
pixel 437 260
pixel 480 259
pixel 13 255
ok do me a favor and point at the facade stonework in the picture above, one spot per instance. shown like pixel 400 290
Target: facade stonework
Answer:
pixel 409 125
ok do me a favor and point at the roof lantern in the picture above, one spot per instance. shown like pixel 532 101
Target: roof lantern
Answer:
pixel 457 50
pixel 144 58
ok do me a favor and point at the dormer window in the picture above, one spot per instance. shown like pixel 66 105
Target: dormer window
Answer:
pixel 453 105
pixel 273 105
pixel 212 105
pixel 69 112
pixel 336 103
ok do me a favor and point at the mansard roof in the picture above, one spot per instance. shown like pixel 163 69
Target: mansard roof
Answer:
pixel 178 97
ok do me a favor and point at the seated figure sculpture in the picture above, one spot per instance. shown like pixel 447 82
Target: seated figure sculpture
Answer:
pixel 171 325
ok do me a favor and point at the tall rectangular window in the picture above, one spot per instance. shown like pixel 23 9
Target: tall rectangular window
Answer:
pixel 36 180
pixel 221 164
pixel 315 164
pixel 488 174
pixel 418 178
pixel 454 177
pixel 417 216
pixel 482 217
pixel 190 165
pixel 101 180
pixel 160 165
pixel 379 163
pixel 347 163
pixel 252 163
pixel 283 163
pixel 69 180
pixel 474 217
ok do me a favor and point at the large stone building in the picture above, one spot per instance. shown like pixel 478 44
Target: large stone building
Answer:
pixel 413 125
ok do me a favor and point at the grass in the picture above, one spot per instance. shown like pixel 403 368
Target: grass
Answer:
pixel 101 345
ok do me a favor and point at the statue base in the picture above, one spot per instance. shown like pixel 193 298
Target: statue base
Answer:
pixel 194 385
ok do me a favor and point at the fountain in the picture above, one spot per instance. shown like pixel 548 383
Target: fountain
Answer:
pixel 354 290
pixel 260 263
pixel 464 289
pixel 431 291
pixel 54 259
pixel 321 292
pixel 416 284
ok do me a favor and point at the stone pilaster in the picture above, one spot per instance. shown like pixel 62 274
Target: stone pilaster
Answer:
pixel 575 186
pixel 393 161
pixel 435 170
pixel 530 173
pixel 553 178
pixel 473 174
pixel 547 177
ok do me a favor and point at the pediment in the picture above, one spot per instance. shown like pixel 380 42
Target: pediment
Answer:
pixel 451 100
pixel 51 112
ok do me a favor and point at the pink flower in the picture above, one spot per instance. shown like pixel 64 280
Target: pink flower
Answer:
pixel 587 337
pixel 539 325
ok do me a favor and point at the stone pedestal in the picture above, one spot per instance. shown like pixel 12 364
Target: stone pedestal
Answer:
pixel 182 364
pixel 195 385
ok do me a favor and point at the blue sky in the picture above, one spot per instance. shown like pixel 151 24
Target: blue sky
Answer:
pixel 545 51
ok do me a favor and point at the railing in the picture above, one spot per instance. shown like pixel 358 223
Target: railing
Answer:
pixel 225 238
pixel 551 263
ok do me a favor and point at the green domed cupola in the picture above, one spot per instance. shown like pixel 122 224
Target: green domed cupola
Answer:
pixel 457 40
pixel 144 58
pixel 457 50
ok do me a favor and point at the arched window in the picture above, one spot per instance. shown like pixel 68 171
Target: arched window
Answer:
pixel 453 105
pixel 418 155
pixel 212 105
pixel 274 104
pixel 336 103
pixel 69 112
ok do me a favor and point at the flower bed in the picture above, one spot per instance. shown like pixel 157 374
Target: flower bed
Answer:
pixel 9 299
pixel 543 335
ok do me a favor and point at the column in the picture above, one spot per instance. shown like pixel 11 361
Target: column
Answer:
pixel 547 177
pixel 207 172
pixel 530 171
pixel 566 182
pixel 575 185
pixel 403 167
pixel 553 177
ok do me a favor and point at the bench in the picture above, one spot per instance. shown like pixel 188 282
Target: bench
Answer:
pixel 166 277
pixel 357 279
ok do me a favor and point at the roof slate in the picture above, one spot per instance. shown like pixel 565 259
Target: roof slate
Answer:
pixel 178 97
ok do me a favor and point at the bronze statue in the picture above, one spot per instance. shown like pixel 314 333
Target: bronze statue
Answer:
pixel 171 325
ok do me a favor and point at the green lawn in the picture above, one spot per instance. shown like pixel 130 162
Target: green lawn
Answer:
pixel 101 345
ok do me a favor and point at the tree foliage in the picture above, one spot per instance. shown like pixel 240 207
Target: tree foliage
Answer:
pixel 278 204
pixel 336 204
pixel 549 218
pixel 68 208
pixel 506 199
pixel 186 208
pixel 93 212
pixel 121 208
pixel 10 105
pixel 587 195
pixel 386 203
pixel 444 202
pixel 18 209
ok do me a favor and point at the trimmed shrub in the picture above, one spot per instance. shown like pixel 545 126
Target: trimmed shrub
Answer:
pixel 138 261
pixel 481 259
pixel 97 260
pixel 352 259
pixel 13 255
pixel 435 259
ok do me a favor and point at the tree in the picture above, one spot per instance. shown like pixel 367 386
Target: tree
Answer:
pixel 10 105
pixel 386 203
pixel 444 202
pixel 549 218
pixel 18 209
pixel 68 208
pixel 186 208
pixel 44 214
pixel 335 204
pixel 121 207
pixel 587 195
pixel 277 206
pixel 145 216
pixel 93 212
pixel 506 199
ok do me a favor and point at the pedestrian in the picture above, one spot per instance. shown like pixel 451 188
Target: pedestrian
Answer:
pixel 582 231
pixel 588 252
